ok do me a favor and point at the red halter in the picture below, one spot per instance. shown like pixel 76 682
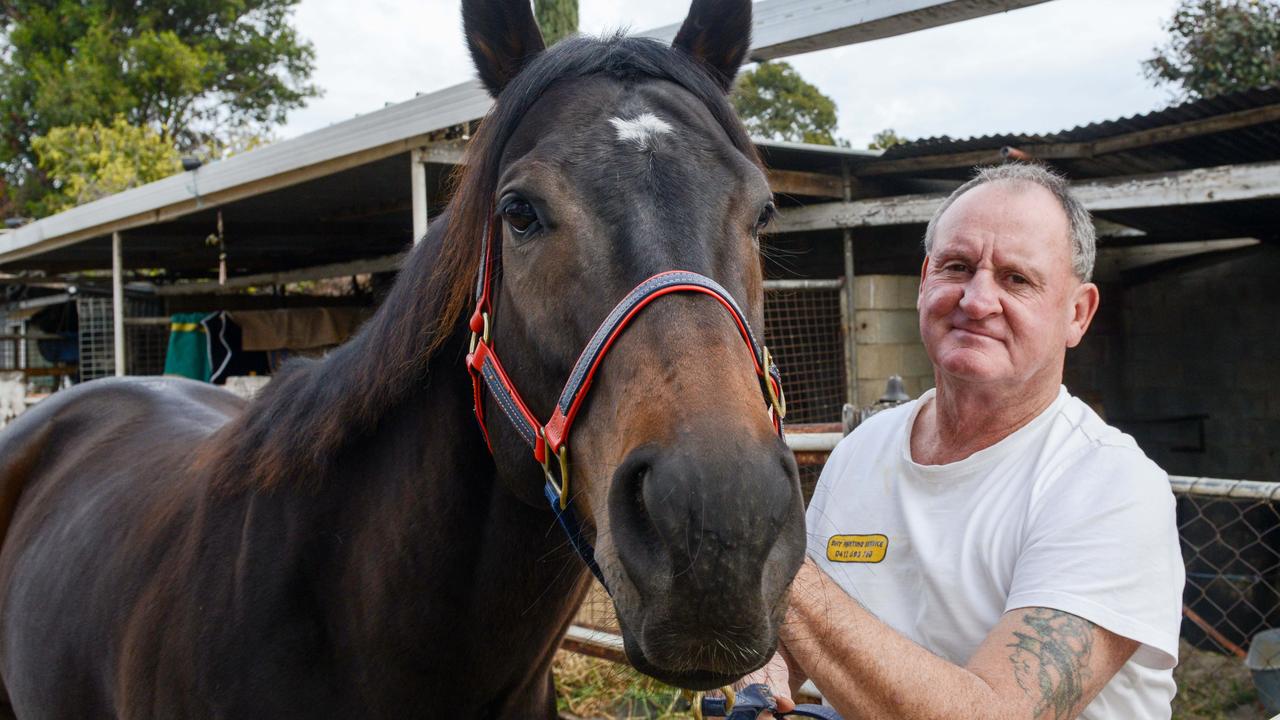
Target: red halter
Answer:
pixel 550 439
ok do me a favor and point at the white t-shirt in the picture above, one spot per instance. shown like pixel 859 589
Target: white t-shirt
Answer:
pixel 1065 513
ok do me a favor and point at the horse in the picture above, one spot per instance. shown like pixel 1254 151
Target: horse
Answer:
pixel 352 542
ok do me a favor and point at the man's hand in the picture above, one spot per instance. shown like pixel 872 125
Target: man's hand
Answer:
pixel 777 677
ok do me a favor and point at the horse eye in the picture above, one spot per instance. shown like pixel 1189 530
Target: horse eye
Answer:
pixel 520 215
pixel 767 214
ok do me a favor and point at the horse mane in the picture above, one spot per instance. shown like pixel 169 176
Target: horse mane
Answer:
pixel 314 409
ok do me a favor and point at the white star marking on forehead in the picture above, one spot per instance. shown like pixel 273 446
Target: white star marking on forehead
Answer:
pixel 642 130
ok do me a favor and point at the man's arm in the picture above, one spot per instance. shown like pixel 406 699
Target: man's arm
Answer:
pixel 1035 663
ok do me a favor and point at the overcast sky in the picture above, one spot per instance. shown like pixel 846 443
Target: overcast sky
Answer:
pixel 1039 69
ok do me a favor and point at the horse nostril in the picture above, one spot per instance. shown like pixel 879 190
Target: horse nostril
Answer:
pixel 641 520
pixel 637 495
pixel 631 518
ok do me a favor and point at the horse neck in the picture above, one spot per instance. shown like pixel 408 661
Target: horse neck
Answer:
pixel 442 559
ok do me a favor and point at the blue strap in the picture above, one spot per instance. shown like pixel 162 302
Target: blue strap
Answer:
pixel 568 520
pixel 755 699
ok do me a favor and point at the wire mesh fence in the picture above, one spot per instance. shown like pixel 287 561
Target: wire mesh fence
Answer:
pixel 97 338
pixel 145 344
pixel 805 331
pixel 1230 535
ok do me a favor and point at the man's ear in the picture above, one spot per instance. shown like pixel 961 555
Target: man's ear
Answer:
pixel 1084 303
pixel 717 33
pixel 502 36
pixel 924 271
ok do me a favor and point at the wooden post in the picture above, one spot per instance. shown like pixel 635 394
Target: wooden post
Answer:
pixel 850 309
pixel 418 186
pixel 117 300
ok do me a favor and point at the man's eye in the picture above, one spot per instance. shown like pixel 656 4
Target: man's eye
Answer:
pixel 1017 279
pixel 956 267
pixel 520 215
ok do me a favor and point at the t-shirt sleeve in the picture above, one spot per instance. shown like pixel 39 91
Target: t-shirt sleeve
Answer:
pixel 1102 544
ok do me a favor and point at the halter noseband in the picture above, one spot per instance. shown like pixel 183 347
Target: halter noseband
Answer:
pixel 550 440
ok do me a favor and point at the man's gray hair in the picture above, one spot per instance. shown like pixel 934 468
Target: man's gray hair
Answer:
pixel 1084 241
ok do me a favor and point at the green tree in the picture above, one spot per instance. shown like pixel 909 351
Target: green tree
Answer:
pixel 775 102
pixel 1216 46
pixel 87 162
pixel 885 139
pixel 202 73
pixel 557 19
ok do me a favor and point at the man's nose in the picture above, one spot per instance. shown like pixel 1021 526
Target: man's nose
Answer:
pixel 981 296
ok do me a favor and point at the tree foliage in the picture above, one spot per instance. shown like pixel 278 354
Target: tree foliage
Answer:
pixel 557 19
pixel 775 102
pixel 885 139
pixel 1216 46
pixel 203 73
pixel 87 162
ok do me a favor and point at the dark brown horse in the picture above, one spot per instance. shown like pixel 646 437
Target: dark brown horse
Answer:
pixel 346 545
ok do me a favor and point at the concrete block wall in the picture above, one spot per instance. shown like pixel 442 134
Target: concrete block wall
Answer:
pixel 888 334
pixel 1199 348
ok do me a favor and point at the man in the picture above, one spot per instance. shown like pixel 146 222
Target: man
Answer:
pixel 993 549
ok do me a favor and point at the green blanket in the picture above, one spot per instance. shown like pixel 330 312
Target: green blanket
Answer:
pixel 188 354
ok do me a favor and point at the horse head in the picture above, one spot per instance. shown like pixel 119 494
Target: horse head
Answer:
pixel 605 162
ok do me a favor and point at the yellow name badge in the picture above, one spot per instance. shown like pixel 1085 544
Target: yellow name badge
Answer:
pixel 857 548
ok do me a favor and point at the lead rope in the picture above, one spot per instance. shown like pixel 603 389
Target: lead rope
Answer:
pixel 749 702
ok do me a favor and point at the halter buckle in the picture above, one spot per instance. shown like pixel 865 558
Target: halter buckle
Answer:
pixel 476 337
pixel 562 487
pixel 777 398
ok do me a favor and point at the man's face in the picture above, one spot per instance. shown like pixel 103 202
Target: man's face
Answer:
pixel 999 301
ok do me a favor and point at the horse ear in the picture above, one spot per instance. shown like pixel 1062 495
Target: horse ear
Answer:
pixel 502 36
pixel 717 32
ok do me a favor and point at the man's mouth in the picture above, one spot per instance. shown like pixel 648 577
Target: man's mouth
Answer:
pixel 975 333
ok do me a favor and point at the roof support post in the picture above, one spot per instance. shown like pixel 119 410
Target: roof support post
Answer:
pixel 117 300
pixel 418 186
pixel 849 311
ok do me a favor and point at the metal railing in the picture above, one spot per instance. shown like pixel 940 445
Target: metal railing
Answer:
pixel 1230 535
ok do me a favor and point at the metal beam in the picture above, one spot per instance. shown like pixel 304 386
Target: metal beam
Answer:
pixel 781 28
pixel 782 182
pixel 386 263
pixel 1226 183
pixel 418 191
pixel 117 300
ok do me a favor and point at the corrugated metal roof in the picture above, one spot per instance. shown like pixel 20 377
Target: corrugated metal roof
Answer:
pixel 1231 129
pixel 780 27
pixel 1250 143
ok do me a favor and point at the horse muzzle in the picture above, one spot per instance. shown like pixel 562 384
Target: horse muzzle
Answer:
pixel 708 540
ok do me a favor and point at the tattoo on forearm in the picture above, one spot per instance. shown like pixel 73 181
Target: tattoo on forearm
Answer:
pixel 1051 659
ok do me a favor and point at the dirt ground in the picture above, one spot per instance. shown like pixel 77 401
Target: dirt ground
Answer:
pixel 1210 687
pixel 1214 687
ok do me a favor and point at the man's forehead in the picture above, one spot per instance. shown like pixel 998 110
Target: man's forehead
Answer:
pixel 1017 221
